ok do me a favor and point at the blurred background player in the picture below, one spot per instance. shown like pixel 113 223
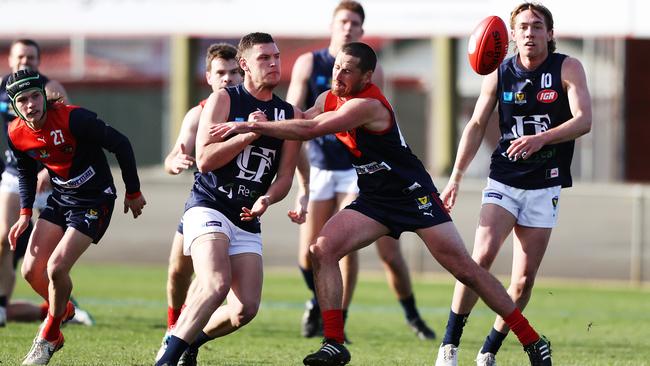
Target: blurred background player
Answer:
pixel 332 180
pixel 68 141
pixel 530 164
pixel 23 54
pixel 221 70
pixel 396 195
pixel 239 178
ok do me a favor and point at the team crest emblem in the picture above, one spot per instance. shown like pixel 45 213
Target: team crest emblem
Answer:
pixel 520 98
pixel 423 202
pixel 91 214
pixel 43 154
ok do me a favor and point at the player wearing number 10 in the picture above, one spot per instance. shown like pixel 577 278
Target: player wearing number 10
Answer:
pixel 543 105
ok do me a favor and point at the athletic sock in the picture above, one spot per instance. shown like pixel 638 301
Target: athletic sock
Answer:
pixel 333 325
pixel 175 348
pixel 454 330
pixel 172 316
pixel 493 342
pixel 521 328
pixel 52 328
pixel 201 339
pixel 3 301
pixel 410 311
pixel 308 276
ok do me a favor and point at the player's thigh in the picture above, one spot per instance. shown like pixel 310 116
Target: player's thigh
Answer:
pixel 247 279
pixel 318 212
pixel 495 224
pixel 445 244
pixel 348 230
pixel 211 260
pixel 9 212
pixel 45 237
pixel 68 250
pixel 178 262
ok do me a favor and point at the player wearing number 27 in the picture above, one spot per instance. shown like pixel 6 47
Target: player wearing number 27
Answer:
pixel 543 105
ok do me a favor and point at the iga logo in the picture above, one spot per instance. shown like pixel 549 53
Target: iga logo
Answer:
pixel 547 96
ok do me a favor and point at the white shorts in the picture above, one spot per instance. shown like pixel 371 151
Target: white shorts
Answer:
pixel 325 184
pixel 9 184
pixel 198 221
pixel 531 207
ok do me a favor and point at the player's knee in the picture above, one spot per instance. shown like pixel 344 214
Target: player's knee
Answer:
pixel 56 273
pixel 522 286
pixel 245 313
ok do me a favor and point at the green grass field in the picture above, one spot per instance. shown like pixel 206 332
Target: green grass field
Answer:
pixel 588 324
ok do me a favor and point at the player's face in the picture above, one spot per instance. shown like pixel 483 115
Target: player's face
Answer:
pixel 346 26
pixel 347 78
pixel 30 105
pixel 531 35
pixel 22 56
pixel 223 73
pixel 262 63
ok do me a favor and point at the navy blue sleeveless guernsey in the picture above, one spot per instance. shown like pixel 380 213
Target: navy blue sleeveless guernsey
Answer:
pixel 7 114
pixel 324 152
pixel 531 102
pixel 385 165
pixel 242 180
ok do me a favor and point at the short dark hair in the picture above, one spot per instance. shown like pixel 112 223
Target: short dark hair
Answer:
pixel 537 8
pixel 252 39
pixel 352 6
pixel 28 42
pixel 220 50
pixel 366 55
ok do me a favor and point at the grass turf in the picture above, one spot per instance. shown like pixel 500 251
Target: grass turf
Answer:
pixel 587 324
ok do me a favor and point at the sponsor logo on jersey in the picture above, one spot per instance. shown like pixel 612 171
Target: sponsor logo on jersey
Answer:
pixel 552 173
pixel 493 195
pixel 77 181
pixel 555 201
pixel 66 149
pixel 508 97
pixel 520 98
pixel 239 119
pixel 43 154
pixel 547 96
pixel 424 202
pixel 371 168
pixel 91 214
pixel 321 80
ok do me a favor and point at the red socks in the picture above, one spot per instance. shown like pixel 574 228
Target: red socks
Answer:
pixel 172 316
pixel 333 325
pixel 522 329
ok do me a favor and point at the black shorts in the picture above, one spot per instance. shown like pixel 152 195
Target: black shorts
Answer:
pixel 91 219
pixel 21 245
pixel 402 214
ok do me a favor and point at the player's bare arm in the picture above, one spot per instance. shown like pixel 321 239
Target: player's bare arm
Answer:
pixel 55 90
pixel 281 184
pixel 471 138
pixel 369 113
pixel 181 156
pixel 574 81
pixel 213 152
pixel 297 92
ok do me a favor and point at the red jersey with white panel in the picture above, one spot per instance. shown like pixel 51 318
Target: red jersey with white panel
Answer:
pixel 70 145
pixel 385 165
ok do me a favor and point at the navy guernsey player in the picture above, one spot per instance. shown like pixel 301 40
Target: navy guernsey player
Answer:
pixel 396 195
pixel 333 181
pixel 239 178
pixel 544 105
pixel 69 142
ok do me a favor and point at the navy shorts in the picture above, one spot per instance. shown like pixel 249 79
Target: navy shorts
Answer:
pixel 400 214
pixel 92 219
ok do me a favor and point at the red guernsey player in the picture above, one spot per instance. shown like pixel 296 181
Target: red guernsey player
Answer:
pixel 68 141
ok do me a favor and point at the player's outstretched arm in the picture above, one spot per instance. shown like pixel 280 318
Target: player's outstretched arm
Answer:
pixel 181 156
pixel 471 138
